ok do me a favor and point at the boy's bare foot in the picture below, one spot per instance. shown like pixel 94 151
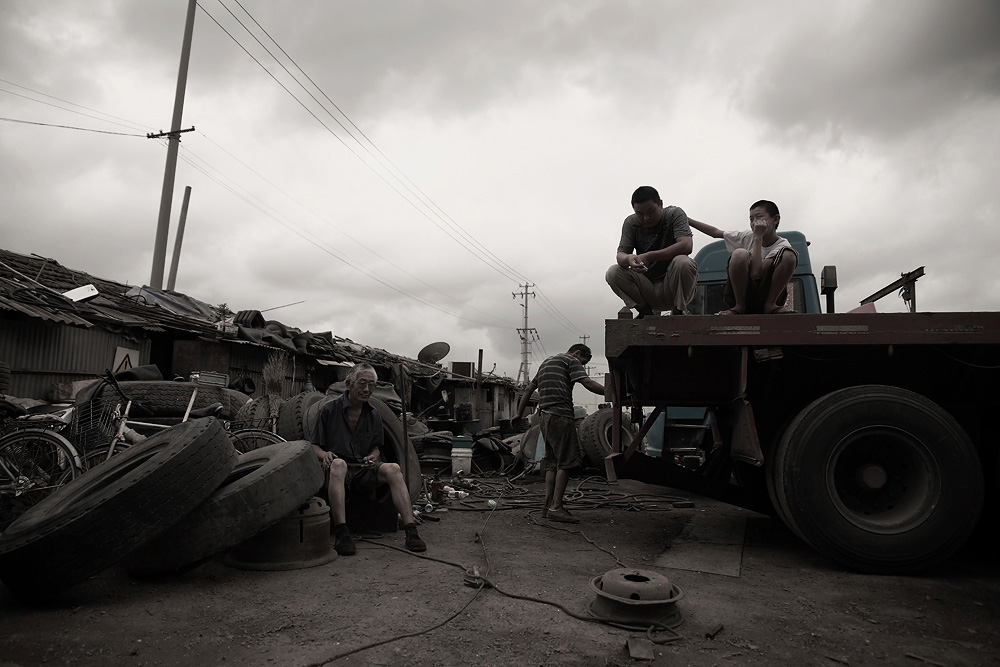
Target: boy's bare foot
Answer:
pixel 778 310
pixel 730 311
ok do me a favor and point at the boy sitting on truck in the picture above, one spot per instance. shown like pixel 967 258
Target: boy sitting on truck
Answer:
pixel 760 264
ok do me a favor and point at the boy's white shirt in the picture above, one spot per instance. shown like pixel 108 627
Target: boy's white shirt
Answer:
pixel 744 239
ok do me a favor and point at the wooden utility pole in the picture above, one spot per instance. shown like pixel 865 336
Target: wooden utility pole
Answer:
pixel 173 143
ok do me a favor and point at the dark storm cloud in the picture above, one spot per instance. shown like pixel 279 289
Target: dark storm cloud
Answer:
pixel 887 70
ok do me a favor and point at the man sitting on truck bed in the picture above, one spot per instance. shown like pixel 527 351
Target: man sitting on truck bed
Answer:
pixel 761 263
pixel 660 274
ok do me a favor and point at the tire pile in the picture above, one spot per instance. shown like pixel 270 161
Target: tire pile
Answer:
pixel 163 506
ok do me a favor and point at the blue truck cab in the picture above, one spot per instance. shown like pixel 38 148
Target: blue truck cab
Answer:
pixel 712 261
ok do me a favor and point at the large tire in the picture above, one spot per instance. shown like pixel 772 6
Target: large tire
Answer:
pixel 879 478
pixel 265 486
pixel 596 433
pixel 101 516
pixel 170 399
pixel 400 451
pixel 291 416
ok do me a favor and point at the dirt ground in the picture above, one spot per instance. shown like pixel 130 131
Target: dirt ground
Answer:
pixel 778 602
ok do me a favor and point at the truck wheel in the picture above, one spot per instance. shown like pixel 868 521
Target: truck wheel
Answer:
pixel 596 433
pixel 266 485
pixel 879 478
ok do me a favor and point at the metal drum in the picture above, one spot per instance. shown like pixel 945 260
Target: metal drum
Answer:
pixel 299 540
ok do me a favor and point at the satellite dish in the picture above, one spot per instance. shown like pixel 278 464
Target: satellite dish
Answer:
pixel 434 353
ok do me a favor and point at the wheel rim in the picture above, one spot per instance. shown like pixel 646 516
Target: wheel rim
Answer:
pixel 883 479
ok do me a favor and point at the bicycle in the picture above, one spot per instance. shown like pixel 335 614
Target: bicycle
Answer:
pixel 35 460
pixel 37 457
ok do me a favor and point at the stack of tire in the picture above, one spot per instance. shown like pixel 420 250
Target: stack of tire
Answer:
pixel 297 421
pixel 163 506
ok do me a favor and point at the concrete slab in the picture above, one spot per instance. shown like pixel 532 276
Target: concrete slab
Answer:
pixel 709 542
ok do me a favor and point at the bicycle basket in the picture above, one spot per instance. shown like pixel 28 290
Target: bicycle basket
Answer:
pixel 93 424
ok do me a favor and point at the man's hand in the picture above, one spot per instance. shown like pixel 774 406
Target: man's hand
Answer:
pixel 636 264
pixel 326 459
pixel 519 424
pixel 371 460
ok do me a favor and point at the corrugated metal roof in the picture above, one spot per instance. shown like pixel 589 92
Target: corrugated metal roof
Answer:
pixel 9 301
pixel 32 287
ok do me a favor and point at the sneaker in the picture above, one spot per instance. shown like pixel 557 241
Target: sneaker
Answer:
pixel 561 515
pixel 413 541
pixel 344 545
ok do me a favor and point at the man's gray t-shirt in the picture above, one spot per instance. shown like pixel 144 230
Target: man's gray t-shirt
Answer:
pixel 673 224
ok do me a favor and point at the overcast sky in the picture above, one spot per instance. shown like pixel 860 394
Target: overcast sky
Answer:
pixel 495 144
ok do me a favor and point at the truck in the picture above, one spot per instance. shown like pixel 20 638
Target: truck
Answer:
pixel 870 435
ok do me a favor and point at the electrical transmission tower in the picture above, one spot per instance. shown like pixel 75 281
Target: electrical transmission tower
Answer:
pixel 527 335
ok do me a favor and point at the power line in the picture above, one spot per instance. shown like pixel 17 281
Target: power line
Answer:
pixel 310 238
pixel 373 252
pixel 70 127
pixel 381 157
pixel 433 219
pixel 479 251
pixel 124 121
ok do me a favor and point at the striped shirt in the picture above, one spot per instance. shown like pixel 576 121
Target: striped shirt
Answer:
pixel 554 379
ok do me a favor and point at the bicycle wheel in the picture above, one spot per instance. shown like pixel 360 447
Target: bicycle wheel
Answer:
pixel 33 463
pixel 249 439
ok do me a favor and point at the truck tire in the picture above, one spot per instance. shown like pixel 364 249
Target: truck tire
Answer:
pixel 98 518
pixel 291 416
pixel 170 399
pixel 265 486
pixel 880 479
pixel 596 436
